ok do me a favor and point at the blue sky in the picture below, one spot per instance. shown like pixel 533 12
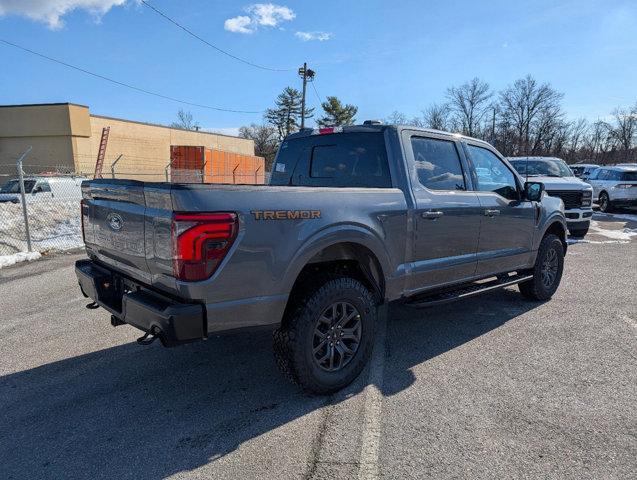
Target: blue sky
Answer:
pixel 382 56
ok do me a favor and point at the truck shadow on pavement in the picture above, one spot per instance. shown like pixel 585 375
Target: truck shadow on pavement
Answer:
pixel 149 412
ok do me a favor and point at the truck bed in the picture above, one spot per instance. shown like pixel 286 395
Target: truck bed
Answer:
pixel 128 226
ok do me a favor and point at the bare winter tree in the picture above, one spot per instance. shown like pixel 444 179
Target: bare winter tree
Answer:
pixel 578 130
pixel 599 140
pixel 529 109
pixel 399 118
pixel 436 116
pixel 526 118
pixel 185 120
pixel 468 104
pixel 624 130
pixel 266 141
pixel 396 118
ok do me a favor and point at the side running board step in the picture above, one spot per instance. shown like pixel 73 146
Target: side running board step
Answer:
pixel 465 291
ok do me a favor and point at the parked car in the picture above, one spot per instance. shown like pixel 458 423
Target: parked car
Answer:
pixel 614 187
pixel 583 170
pixel 560 182
pixel 353 217
pixel 38 188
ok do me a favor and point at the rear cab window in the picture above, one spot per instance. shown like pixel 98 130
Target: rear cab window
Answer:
pixel 348 159
pixel 437 164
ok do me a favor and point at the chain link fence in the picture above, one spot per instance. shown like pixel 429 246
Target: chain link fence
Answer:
pixel 49 217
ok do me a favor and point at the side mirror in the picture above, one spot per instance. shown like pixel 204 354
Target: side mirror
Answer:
pixel 533 191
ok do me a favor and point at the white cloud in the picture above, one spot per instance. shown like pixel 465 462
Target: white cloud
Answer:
pixel 240 24
pixel 52 11
pixel 259 15
pixel 270 15
pixel 308 36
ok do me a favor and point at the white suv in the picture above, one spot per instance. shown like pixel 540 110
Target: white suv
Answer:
pixel 614 187
pixel 560 181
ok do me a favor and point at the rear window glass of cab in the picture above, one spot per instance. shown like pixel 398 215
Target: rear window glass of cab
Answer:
pixel 356 159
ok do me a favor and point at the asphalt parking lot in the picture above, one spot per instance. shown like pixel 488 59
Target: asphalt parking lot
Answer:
pixel 494 387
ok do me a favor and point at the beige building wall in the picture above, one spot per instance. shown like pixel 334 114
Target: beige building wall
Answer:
pixel 50 130
pixel 145 148
pixel 67 137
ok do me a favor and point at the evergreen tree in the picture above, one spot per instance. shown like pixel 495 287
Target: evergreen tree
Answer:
pixel 286 116
pixel 337 114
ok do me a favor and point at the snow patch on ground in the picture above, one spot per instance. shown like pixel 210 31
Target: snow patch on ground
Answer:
pixel 573 241
pixel 613 216
pixel 6 260
pixel 54 226
pixel 620 234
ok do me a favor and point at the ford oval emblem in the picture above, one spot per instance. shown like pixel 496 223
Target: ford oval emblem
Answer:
pixel 115 221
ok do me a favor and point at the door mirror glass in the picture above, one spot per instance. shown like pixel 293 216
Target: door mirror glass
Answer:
pixel 533 191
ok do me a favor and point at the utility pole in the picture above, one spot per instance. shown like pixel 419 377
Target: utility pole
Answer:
pixel 306 73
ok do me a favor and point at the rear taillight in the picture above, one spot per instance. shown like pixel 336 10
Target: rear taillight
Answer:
pixel 624 185
pixel 200 241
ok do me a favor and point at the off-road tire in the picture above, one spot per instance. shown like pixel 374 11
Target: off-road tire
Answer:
pixel 534 288
pixel 605 205
pixel 293 340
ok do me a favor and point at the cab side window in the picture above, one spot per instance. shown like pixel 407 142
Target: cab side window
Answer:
pixel 42 187
pixel 492 175
pixel 437 164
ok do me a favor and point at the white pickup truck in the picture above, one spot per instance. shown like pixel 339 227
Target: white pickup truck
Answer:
pixel 561 182
pixel 43 188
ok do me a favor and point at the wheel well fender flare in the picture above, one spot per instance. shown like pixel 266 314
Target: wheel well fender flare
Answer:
pixel 558 227
pixel 351 235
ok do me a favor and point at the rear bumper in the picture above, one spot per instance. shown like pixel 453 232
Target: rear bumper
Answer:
pixel 148 310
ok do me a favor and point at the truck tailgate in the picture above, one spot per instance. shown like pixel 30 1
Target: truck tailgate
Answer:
pixel 118 219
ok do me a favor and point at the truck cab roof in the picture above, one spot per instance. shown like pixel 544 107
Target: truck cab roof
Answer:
pixel 378 127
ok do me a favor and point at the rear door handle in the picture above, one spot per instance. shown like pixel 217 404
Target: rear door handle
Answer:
pixel 432 214
pixel 491 213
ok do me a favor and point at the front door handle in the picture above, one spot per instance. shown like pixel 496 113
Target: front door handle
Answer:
pixel 491 213
pixel 432 214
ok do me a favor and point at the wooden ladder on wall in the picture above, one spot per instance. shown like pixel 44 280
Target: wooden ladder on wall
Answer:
pixel 101 153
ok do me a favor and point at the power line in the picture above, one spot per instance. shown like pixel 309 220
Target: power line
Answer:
pixel 122 84
pixel 318 97
pixel 192 34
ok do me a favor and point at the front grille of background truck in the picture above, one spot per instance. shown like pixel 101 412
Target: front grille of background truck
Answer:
pixel 570 198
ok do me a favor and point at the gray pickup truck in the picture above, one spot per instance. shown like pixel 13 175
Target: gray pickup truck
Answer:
pixel 352 217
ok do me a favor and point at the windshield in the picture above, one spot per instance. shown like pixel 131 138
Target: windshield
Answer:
pixel 545 167
pixel 13 186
